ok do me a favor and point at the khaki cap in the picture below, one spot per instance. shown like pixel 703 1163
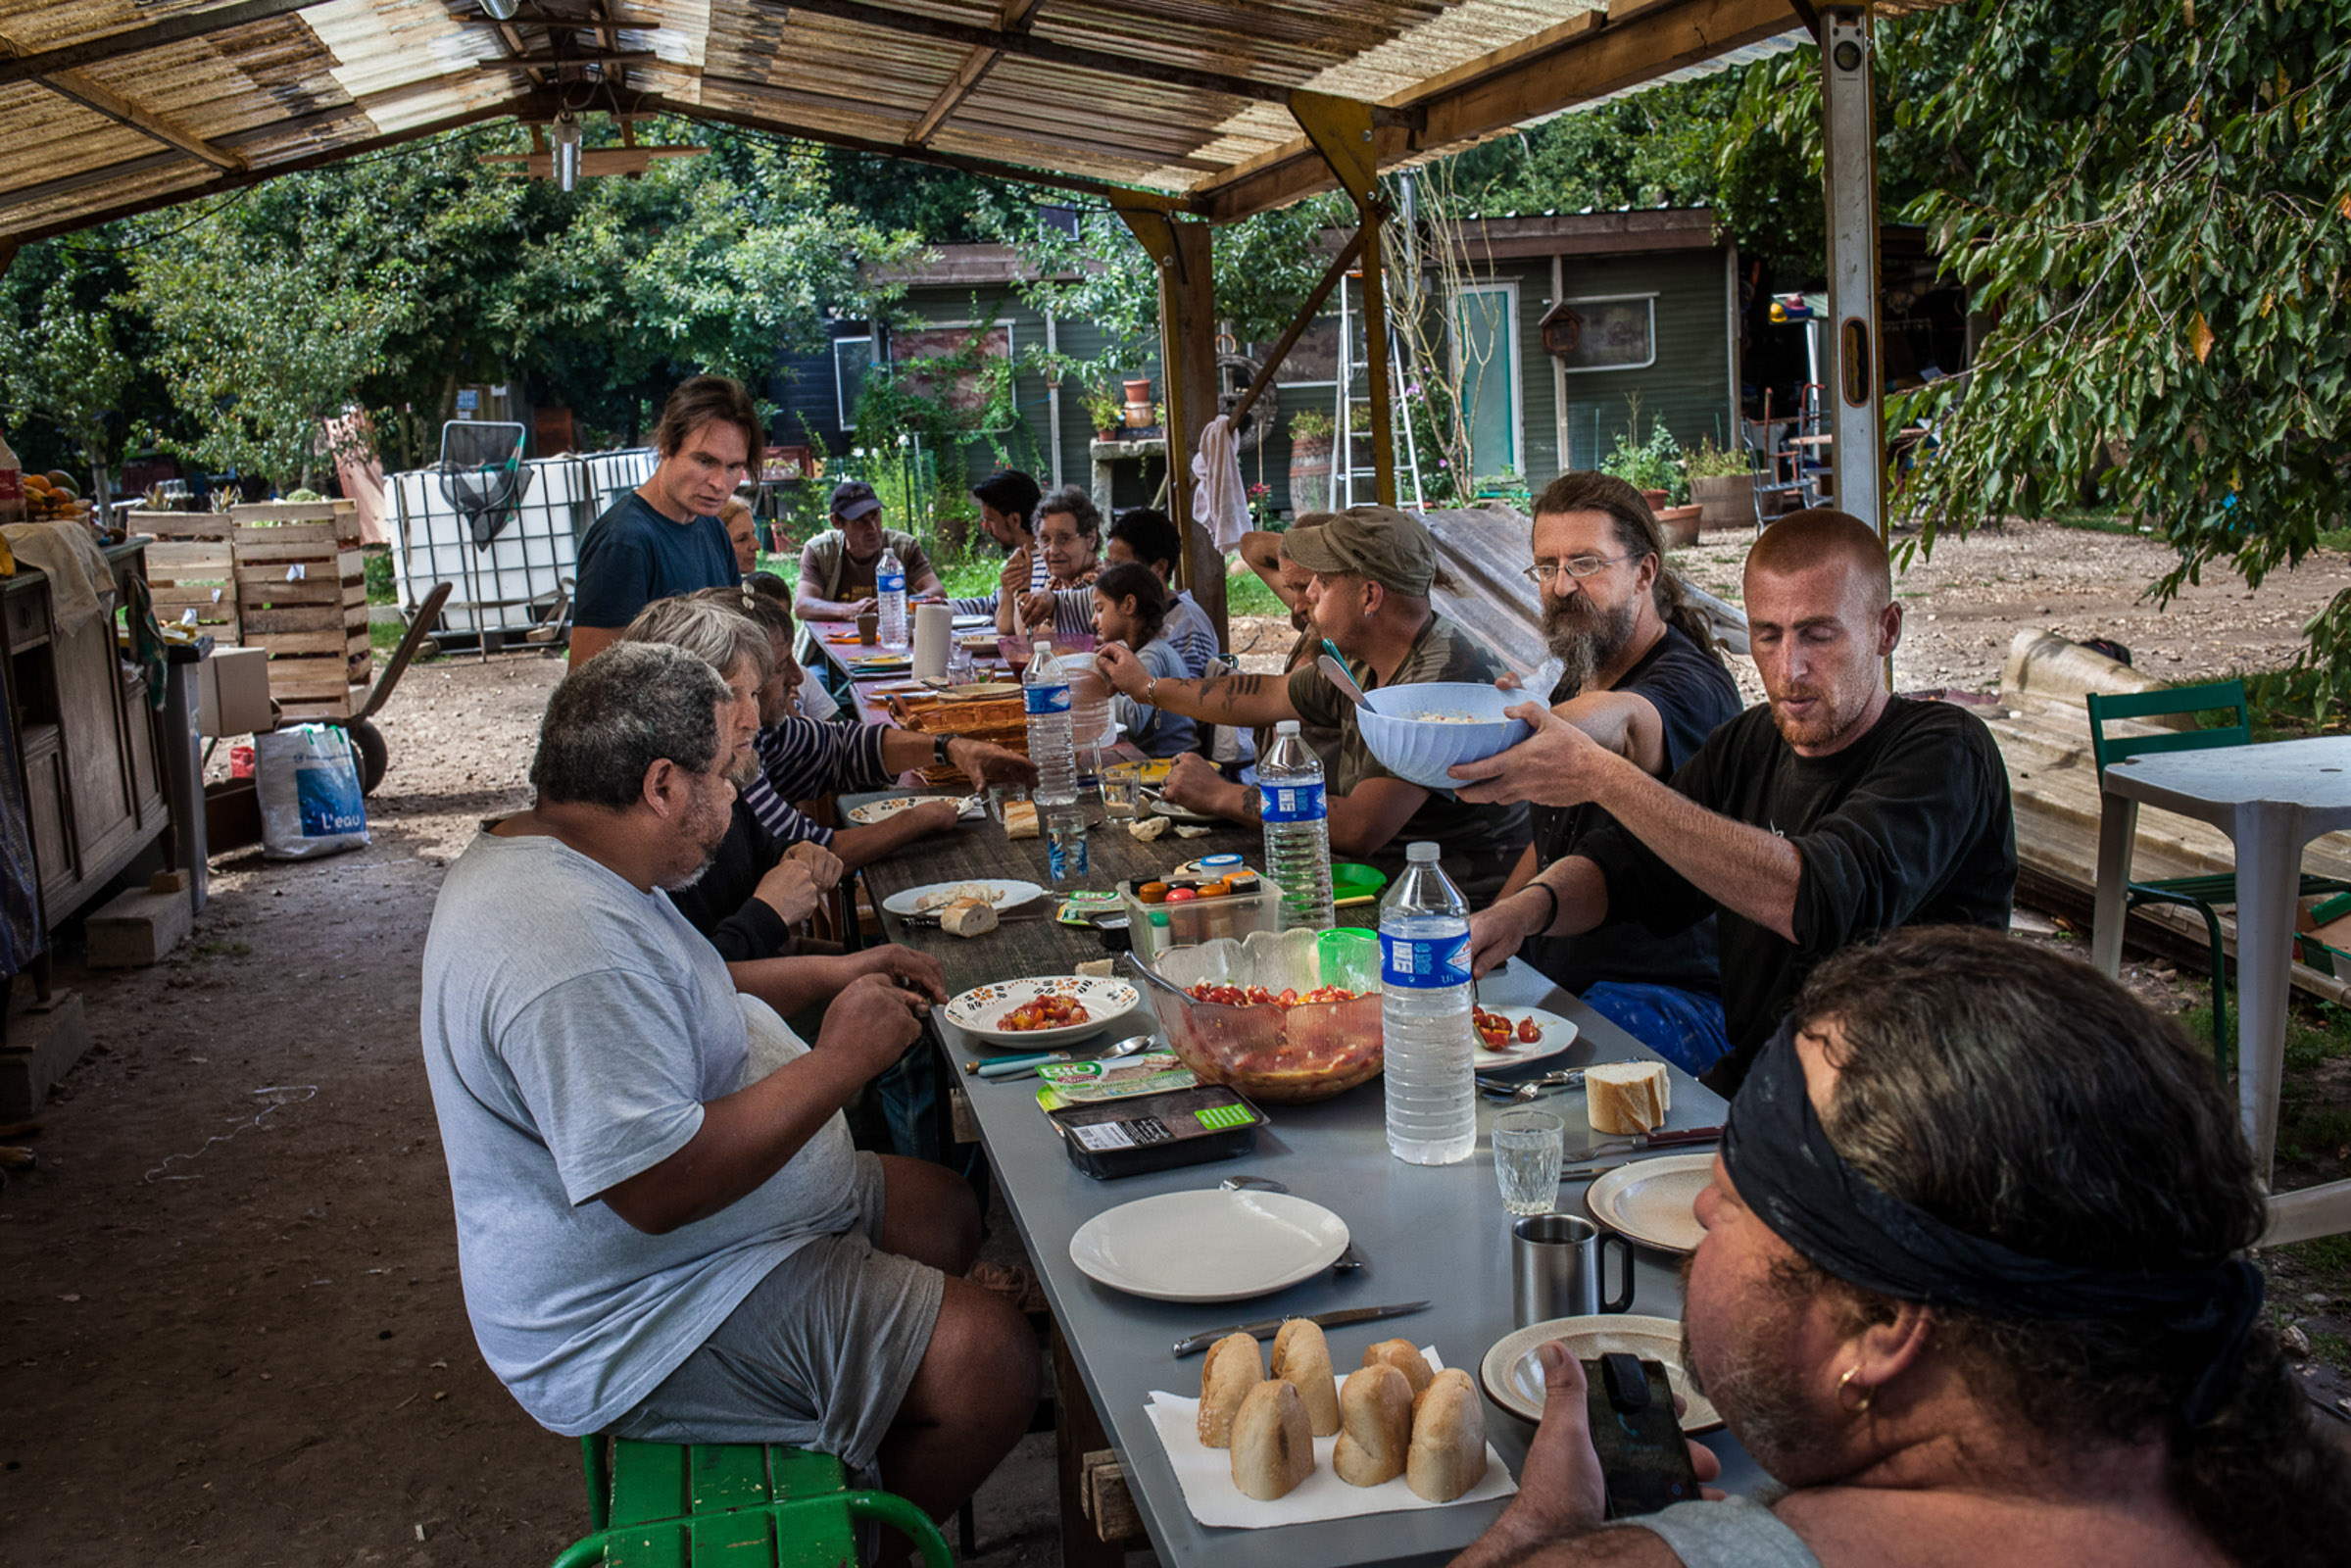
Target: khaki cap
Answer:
pixel 1389 547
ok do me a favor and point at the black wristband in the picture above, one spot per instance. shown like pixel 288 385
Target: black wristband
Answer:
pixel 1550 919
pixel 939 744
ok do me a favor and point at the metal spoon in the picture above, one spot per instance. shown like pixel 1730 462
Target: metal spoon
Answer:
pixel 1348 1261
pixel 1003 1067
pixel 1339 678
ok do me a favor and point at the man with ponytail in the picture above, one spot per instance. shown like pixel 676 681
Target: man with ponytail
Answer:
pixel 1974 1288
pixel 1641 674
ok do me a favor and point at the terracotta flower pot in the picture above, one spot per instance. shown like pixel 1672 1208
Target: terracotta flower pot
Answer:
pixel 1680 525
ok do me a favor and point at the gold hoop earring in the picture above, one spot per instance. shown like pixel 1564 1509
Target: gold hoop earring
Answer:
pixel 1850 1373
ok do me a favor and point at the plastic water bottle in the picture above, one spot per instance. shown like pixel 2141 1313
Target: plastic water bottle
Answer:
pixel 1045 697
pixel 1424 1015
pixel 1298 829
pixel 890 585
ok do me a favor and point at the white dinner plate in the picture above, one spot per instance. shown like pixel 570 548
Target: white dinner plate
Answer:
pixel 1654 1201
pixel 978 1012
pixel 1557 1035
pixel 873 812
pixel 1161 805
pixel 1513 1374
pixel 1004 893
pixel 1208 1245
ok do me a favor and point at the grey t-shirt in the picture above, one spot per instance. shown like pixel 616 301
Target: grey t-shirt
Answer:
pixel 573 1028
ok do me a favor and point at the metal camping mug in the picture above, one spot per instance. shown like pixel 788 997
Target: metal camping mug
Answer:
pixel 1556 1267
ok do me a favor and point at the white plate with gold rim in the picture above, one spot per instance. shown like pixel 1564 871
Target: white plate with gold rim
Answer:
pixel 1513 1373
pixel 1654 1201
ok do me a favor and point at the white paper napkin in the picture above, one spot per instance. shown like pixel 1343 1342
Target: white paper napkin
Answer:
pixel 1207 1476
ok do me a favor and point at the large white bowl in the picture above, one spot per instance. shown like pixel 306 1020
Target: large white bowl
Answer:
pixel 1420 749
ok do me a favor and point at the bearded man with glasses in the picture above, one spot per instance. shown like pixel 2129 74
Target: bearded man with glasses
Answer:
pixel 1644 678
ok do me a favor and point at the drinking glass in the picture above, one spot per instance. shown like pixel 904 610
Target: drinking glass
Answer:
pixel 1527 1150
pixel 1118 788
pixel 998 795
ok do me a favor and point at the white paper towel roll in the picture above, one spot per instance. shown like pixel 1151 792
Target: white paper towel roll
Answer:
pixel 934 626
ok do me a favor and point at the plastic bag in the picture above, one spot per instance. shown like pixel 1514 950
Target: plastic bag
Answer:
pixel 309 781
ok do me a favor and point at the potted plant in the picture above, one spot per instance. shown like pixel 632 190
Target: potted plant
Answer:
pixel 1654 468
pixel 1722 484
pixel 1107 411
pixel 1311 462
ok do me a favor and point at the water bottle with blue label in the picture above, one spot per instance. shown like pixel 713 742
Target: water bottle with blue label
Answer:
pixel 1430 1071
pixel 890 588
pixel 1044 696
pixel 1298 829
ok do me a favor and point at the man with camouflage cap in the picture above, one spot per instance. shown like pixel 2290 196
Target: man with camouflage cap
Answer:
pixel 837 566
pixel 1373 567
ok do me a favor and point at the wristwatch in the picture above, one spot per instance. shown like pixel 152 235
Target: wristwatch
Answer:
pixel 939 745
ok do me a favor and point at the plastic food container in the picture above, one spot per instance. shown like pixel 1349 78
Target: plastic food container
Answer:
pixel 1420 749
pixel 1272 1053
pixel 1181 916
pixel 1129 1137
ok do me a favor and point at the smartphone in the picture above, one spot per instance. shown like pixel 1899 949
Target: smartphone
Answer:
pixel 1643 1456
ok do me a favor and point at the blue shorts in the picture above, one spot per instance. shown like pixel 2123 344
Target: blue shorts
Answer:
pixel 1685 1027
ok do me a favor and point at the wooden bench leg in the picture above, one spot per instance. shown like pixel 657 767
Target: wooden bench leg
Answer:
pixel 1077 1431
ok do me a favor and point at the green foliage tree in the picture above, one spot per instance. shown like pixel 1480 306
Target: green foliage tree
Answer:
pixel 65 367
pixel 2154 202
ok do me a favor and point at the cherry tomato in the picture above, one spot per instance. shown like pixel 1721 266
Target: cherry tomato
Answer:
pixel 1529 1030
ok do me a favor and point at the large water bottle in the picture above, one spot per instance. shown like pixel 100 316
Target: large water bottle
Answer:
pixel 1424 1015
pixel 1045 695
pixel 890 586
pixel 1298 828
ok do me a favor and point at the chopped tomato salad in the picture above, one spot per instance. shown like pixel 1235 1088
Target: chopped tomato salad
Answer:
pixel 1495 1032
pixel 1045 1013
pixel 1259 997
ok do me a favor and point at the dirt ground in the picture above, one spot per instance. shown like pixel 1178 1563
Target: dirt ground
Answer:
pixel 236 1329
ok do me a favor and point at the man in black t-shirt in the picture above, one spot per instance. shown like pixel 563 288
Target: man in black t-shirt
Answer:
pixel 1642 679
pixel 1834 814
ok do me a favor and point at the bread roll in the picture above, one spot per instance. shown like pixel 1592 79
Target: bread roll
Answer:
pixel 1448 1455
pixel 1375 1426
pixel 1232 1368
pixel 1098 969
pixel 1405 1357
pixel 1627 1096
pixel 1302 1358
pixel 968 917
pixel 1273 1447
pixel 1020 819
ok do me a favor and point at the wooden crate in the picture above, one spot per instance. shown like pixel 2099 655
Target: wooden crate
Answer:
pixel 302 593
pixel 192 566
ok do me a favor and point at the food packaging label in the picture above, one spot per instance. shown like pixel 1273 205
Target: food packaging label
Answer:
pixel 1423 966
pixel 1078 1082
pixel 1291 803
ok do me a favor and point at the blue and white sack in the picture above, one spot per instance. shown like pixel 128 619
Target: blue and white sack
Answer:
pixel 309 781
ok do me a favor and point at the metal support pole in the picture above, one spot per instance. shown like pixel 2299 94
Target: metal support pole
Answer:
pixel 1849 181
pixel 1340 129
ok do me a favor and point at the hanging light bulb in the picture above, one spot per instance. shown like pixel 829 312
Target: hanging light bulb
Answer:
pixel 564 135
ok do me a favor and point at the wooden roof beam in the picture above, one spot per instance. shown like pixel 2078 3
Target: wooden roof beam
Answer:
pixel 986 167
pixel 1047 51
pixel 96 96
pixel 137 40
pixel 1016 17
pixel 573 56
pixel 1565 66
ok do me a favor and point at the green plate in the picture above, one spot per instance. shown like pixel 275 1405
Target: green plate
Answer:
pixel 1349 880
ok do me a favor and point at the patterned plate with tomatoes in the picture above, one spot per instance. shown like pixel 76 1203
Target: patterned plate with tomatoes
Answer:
pixel 1046 1011
pixel 1533 1035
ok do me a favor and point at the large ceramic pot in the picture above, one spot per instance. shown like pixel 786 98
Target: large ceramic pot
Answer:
pixel 1725 500
pixel 1680 525
pixel 1309 475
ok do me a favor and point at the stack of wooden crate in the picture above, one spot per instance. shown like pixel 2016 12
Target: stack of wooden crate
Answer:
pixel 192 569
pixel 302 593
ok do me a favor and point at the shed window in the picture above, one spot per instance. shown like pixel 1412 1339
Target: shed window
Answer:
pixel 1619 333
pixel 853 357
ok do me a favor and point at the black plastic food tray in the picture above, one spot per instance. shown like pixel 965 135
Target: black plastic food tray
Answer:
pixel 1193 1126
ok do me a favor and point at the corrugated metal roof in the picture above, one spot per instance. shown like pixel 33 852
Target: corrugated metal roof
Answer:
pixel 111 104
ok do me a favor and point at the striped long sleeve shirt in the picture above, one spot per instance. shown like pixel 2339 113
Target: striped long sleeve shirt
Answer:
pixel 802 756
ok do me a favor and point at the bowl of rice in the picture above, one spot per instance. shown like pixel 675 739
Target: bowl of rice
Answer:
pixel 1419 731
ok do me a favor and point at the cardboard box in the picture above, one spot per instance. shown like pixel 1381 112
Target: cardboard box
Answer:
pixel 232 689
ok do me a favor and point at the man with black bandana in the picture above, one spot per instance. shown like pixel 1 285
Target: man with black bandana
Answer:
pixel 1972 1290
pixel 1835 813
pixel 1641 677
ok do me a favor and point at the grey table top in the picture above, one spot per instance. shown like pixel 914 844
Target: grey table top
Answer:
pixel 1438 1232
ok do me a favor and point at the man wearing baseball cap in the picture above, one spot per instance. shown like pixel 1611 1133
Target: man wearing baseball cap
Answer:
pixel 1372 569
pixel 837 566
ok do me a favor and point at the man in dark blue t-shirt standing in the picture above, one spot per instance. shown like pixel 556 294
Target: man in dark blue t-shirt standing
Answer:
pixel 665 537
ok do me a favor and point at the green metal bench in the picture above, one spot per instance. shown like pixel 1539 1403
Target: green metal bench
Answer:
pixel 731 1506
pixel 2203 894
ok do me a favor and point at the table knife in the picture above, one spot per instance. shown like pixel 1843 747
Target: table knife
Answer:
pixel 1676 1138
pixel 1267 1328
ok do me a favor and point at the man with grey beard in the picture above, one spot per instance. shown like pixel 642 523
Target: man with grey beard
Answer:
pixel 1642 679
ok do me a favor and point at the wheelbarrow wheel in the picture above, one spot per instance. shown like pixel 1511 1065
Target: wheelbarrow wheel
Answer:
pixel 374 756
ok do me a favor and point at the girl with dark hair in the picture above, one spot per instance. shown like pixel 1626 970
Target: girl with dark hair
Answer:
pixel 1130 606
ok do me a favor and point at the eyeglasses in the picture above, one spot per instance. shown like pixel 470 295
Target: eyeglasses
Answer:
pixel 1578 566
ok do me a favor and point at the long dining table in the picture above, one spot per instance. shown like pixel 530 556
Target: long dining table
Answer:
pixel 1437 1234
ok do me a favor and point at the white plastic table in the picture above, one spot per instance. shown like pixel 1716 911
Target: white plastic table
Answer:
pixel 2270 800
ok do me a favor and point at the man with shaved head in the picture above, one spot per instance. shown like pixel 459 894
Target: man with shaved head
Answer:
pixel 1833 812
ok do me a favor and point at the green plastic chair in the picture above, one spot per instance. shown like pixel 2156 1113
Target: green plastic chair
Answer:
pixel 731 1506
pixel 2203 894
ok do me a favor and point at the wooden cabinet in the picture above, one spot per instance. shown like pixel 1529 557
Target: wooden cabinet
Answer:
pixel 94 788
